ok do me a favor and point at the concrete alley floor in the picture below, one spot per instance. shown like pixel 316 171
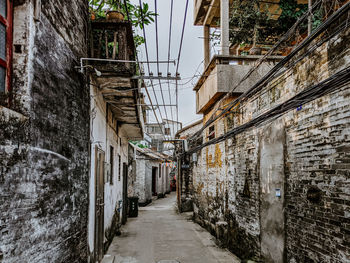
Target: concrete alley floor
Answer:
pixel 160 234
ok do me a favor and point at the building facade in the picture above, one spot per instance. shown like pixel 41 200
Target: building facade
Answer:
pixel 276 189
pixel 44 134
pixel 184 171
pixel 163 131
pixel 116 118
pixel 149 174
pixel 66 122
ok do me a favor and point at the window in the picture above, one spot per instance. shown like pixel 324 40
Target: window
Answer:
pixel 5 44
pixel 211 134
pixel 111 162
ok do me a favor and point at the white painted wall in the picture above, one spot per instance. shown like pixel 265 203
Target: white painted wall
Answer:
pixel 143 175
pixel 103 135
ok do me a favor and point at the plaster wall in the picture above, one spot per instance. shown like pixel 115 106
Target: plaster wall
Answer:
pixel 143 177
pixel 104 135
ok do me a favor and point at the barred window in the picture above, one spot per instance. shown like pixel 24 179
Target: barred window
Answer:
pixel 5 44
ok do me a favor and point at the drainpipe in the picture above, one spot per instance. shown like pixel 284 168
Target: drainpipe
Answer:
pixel 224 26
pixel 309 26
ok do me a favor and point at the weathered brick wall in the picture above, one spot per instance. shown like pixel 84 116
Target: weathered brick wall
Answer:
pixel 316 159
pixel 44 152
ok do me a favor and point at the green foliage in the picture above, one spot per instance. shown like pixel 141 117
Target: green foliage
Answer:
pixel 136 14
pixel 250 23
pixel 138 144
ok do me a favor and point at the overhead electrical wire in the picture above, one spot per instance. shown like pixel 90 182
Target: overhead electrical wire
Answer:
pixel 178 63
pixel 149 69
pixel 139 66
pixel 323 27
pixel 157 50
pixel 263 81
pixel 169 45
pixel 335 82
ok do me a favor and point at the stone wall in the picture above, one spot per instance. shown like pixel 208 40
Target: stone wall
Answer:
pixel 45 141
pixel 280 191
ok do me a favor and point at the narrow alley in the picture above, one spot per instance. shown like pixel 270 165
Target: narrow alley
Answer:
pixel 187 131
pixel 161 234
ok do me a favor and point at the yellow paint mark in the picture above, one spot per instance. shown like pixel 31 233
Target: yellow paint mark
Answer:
pixel 200 188
pixel 218 156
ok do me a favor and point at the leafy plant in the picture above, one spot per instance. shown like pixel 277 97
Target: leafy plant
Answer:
pixel 138 16
pixel 251 22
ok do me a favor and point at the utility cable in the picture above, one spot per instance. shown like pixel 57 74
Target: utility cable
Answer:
pixel 157 49
pixel 333 83
pixel 140 69
pixel 149 69
pixel 169 45
pixel 279 66
pixel 178 63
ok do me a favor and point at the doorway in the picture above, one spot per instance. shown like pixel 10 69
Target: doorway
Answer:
pixel 125 194
pixel 154 180
pixel 99 203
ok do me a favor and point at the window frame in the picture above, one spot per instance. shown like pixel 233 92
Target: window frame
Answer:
pixel 7 64
pixel 211 133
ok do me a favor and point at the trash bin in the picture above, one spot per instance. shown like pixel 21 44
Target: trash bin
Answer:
pixel 133 206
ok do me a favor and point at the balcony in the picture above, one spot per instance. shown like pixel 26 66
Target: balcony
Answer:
pixel 112 66
pixel 223 73
pixel 112 40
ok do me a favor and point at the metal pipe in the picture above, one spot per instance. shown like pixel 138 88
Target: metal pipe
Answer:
pixel 122 61
pixel 157 77
pixel 309 25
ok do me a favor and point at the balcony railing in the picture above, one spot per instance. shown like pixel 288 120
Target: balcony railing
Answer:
pixel 223 73
pixel 110 41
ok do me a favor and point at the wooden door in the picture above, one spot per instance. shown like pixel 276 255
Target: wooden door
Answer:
pixel 154 180
pixel 99 203
pixel 125 193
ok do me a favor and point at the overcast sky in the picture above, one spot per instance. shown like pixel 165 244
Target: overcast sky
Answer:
pixel 191 56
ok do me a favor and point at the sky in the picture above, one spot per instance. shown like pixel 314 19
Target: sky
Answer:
pixel 190 60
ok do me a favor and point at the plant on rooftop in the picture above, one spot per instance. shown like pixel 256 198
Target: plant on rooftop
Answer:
pixel 253 23
pixel 138 16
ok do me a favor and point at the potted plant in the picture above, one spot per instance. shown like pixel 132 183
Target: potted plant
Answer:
pixel 106 9
pixel 115 12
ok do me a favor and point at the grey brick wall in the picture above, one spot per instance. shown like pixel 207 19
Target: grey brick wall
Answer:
pixel 227 180
pixel 44 152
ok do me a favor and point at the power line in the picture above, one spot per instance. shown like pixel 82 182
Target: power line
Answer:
pixel 139 66
pixel 333 83
pixel 178 62
pixel 170 29
pixel 157 49
pixel 149 70
pixel 279 66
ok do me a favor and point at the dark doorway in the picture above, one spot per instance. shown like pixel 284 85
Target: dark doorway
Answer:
pixel 154 180
pixel 125 193
pixel 99 203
